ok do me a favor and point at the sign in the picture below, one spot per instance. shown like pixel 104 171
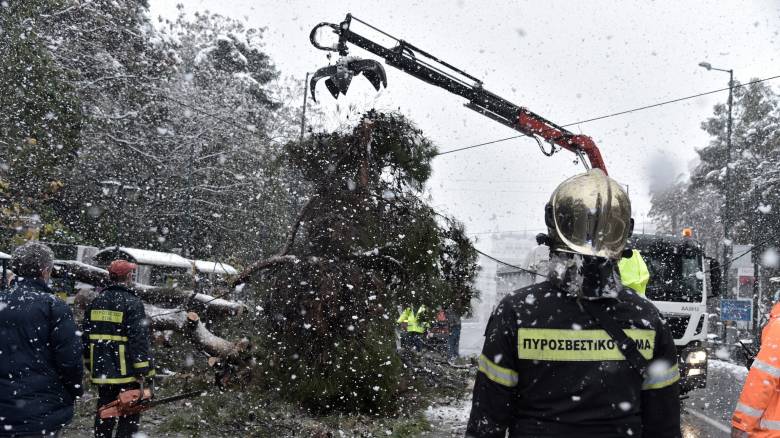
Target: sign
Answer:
pixel 736 310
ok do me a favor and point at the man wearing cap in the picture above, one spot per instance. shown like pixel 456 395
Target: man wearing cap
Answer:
pixel 115 335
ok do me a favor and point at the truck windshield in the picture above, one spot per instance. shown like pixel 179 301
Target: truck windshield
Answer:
pixel 673 276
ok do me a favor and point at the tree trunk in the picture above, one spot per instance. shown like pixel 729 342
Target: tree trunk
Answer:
pixel 189 323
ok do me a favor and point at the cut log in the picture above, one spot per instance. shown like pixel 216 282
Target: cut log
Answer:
pixel 81 272
pixel 151 294
pixel 186 298
pixel 189 323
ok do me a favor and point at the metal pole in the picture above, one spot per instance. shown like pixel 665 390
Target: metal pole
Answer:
pixel 754 257
pixel 727 200
pixel 305 95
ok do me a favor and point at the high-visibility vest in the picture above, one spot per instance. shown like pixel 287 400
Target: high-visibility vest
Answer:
pixel 758 408
pixel 634 273
pixel 412 320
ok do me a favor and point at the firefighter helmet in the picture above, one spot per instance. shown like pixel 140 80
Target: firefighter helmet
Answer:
pixel 589 214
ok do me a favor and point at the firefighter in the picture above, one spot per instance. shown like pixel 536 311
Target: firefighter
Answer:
pixel 115 335
pixel 578 355
pixel 758 411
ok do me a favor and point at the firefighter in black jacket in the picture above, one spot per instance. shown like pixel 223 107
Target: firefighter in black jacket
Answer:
pixel 548 367
pixel 115 335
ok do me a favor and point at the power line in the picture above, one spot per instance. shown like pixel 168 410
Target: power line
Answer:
pixel 726 265
pixel 530 230
pixel 479 145
pixel 667 102
pixel 508 264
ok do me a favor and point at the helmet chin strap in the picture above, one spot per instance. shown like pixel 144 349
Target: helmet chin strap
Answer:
pixel 582 276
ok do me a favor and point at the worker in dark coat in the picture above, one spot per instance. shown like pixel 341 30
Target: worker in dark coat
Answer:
pixel 40 352
pixel 115 334
pixel 551 366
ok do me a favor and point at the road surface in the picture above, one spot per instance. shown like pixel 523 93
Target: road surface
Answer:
pixel 706 412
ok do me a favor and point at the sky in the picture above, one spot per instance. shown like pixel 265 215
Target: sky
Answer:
pixel 564 60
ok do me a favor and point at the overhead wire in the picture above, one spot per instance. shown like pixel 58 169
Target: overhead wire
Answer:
pixel 723 267
pixel 619 113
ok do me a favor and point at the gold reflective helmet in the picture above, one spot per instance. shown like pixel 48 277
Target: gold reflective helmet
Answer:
pixel 589 214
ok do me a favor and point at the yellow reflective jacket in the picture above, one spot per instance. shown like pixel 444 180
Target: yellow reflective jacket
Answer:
pixel 634 273
pixel 412 320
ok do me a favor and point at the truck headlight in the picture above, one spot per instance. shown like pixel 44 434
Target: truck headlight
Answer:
pixel 696 357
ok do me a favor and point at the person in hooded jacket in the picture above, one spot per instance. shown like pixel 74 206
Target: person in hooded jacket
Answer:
pixel 550 365
pixel 40 352
pixel 116 341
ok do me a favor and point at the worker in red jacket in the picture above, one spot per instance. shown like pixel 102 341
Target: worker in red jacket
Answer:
pixel 758 411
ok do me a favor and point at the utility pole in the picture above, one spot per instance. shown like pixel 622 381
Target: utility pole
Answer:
pixel 305 95
pixel 727 244
pixel 757 301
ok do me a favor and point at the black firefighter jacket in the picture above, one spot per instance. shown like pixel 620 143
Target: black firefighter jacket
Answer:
pixel 115 335
pixel 40 360
pixel 548 370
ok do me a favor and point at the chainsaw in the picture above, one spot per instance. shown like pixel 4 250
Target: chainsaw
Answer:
pixel 135 401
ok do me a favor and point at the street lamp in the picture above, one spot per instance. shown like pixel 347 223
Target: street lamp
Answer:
pixel 727 203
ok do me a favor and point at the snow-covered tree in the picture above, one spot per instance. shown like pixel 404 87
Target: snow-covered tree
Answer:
pixel 41 122
pixel 753 186
pixel 369 244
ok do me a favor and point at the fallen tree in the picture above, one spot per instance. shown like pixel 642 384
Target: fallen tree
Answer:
pixel 366 243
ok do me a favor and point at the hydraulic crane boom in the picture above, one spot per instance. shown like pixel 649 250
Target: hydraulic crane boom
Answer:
pixel 424 66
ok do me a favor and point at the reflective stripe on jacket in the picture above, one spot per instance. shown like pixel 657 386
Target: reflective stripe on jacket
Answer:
pixel 634 272
pixel 412 320
pixel 758 409
pixel 115 336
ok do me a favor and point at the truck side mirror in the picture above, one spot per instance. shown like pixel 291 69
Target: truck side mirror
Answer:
pixel 715 277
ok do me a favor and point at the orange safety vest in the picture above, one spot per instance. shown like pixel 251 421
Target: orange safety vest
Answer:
pixel 758 409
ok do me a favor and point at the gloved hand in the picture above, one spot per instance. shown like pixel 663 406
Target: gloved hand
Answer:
pixel 738 433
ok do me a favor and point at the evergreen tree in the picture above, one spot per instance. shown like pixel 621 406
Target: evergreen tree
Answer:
pixel 370 245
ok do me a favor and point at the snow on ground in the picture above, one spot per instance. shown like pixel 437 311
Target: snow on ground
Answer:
pixel 450 419
pixel 738 371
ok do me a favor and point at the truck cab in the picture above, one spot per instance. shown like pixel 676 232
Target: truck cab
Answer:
pixel 678 288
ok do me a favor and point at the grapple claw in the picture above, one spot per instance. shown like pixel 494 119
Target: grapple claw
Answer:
pixel 340 75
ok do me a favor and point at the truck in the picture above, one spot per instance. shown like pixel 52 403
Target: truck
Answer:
pixel 681 280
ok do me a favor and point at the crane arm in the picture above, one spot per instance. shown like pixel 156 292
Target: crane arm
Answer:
pixel 427 68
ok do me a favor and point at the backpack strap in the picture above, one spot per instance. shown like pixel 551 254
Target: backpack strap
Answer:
pixel 626 345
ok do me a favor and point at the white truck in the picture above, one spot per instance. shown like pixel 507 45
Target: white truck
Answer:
pixel 679 287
